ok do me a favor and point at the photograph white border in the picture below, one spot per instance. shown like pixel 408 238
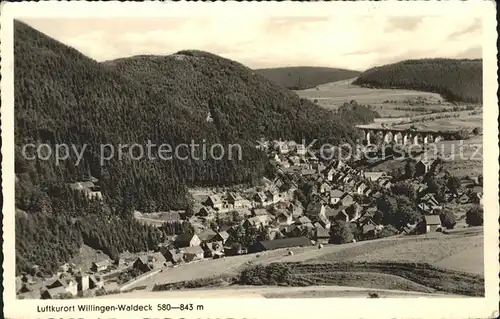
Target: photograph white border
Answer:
pixel 264 308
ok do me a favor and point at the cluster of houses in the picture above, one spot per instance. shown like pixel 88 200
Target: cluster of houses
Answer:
pixel 71 281
pixel 338 192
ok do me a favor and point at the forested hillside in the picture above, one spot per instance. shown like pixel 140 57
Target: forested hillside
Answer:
pixel 63 97
pixel 306 77
pixel 455 80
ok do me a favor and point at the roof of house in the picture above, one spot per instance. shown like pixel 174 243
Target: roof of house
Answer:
pixel 157 256
pixel 193 250
pixel 102 263
pixel 335 193
pixel 207 234
pixel 215 199
pixel 235 196
pixel 223 234
pixel 260 195
pixel 432 220
pixel 184 238
pixel 144 259
pixel 260 212
pixel 320 231
pixel 285 243
pixel 258 219
pixel 54 292
pixel 304 220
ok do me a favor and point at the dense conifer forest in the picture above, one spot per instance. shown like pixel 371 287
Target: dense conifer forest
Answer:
pixel 64 97
pixel 306 77
pixel 455 80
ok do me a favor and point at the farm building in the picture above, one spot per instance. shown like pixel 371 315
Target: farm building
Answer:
pixel 100 265
pixel 187 240
pixel 234 249
pixel 321 235
pixel 281 243
pixel 207 235
pixel 432 223
pixel 142 264
pixel 193 253
pixel 172 255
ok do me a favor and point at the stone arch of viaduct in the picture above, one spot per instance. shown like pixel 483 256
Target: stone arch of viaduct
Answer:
pixel 403 136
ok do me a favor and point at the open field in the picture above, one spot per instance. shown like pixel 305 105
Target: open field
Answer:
pixel 384 101
pixel 273 292
pixel 344 91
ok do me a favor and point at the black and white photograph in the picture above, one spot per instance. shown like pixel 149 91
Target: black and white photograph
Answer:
pixel 249 153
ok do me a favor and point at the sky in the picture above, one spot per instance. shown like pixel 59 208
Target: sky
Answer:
pixel 264 42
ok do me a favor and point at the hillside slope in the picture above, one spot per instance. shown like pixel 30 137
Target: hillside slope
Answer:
pixel 64 97
pixel 455 80
pixel 306 77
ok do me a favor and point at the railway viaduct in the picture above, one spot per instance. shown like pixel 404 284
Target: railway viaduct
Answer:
pixel 404 136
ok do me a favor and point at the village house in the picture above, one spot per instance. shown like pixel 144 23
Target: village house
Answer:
pixel 300 150
pixel 215 202
pixel 101 265
pixel 236 200
pixel 187 240
pixel 346 200
pixel 174 256
pixel 193 253
pixel 385 183
pixel 207 235
pixel 353 211
pixel 361 188
pixel 206 212
pixel 259 212
pixel 157 260
pixel 284 217
pixel 304 221
pixel 296 209
pixel 234 249
pixel 324 188
pixel 58 287
pixel 329 173
pixel 321 235
pixel 213 249
pixel 258 221
pixel 294 160
pixel 89 188
pixel 142 264
pixel 323 219
pixel 221 236
pixel 260 199
pixel 82 281
pixel 272 195
pixel 95 282
pixel 432 223
pixel 335 196
pixel 315 209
